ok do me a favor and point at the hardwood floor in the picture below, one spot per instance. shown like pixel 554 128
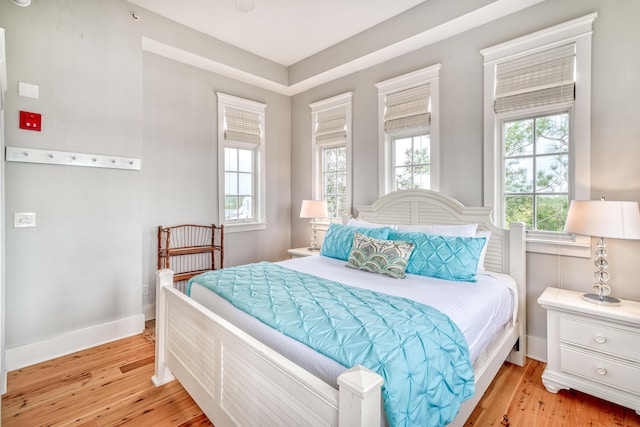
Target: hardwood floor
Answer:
pixel 516 397
pixel 107 385
pixel 111 385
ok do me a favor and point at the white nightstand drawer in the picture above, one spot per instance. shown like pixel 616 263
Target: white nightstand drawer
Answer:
pixel 598 337
pixel 604 371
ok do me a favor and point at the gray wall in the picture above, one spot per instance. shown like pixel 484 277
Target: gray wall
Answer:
pixel 81 266
pixel 615 130
pixel 95 242
pixel 180 166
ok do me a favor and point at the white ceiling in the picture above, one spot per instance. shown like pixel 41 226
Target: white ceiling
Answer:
pixel 283 31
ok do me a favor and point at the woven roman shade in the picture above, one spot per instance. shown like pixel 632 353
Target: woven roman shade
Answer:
pixel 331 125
pixel 241 126
pixel 407 110
pixel 541 79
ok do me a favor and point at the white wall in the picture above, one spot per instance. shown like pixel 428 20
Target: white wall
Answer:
pixel 615 129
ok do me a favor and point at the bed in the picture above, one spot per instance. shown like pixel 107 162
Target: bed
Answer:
pixel 239 380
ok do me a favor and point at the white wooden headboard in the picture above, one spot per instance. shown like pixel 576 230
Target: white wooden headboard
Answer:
pixel 505 250
pixel 432 208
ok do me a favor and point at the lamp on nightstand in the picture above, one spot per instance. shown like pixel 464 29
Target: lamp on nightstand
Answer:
pixel 602 218
pixel 314 209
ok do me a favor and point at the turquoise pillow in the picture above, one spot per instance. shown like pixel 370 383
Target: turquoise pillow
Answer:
pixel 445 257
pixel 386 257
pixel 339 239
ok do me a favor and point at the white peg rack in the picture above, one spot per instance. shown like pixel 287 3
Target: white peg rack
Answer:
pixel 33 155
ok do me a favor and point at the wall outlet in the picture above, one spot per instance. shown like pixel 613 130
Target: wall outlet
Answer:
pixel 145 289
pixel 24 220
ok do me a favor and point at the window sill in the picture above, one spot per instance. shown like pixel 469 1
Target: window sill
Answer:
pixel 580 248
pixel 241 227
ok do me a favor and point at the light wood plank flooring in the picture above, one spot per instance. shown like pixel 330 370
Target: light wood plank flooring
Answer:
pixel 110 385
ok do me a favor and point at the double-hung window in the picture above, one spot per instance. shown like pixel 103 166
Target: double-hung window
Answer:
pixel 241 145
pixel 331 139
pixel 537 121
pixel 408 131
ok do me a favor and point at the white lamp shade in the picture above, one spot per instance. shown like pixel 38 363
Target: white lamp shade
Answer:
pixel 603 218
pixel 314 209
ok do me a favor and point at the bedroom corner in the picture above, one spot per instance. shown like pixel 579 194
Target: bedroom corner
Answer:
pixel 72 281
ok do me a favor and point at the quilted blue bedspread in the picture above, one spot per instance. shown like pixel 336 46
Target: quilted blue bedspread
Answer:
pixel 419 352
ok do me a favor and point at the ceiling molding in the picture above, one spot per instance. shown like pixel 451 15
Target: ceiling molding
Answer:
pixel 461 24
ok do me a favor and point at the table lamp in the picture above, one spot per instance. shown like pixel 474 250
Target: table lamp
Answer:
pixel 314 209
pixel 603 218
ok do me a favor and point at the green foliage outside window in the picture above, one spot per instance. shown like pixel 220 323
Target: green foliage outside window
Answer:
pixel 334 176
pixel 412 162
pixel 536 171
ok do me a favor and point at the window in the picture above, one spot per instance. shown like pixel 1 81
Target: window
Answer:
pixel 536 171
pixel 411 161
pixel 537 112
pixel 408 131
pixel 331 138
pixel 241 145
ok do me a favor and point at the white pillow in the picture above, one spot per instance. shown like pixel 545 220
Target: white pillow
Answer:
pixel 487 235
pixel 353 222
pixel 462 230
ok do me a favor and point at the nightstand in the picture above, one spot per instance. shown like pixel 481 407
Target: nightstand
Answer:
pixel 301 252
pixel 592 348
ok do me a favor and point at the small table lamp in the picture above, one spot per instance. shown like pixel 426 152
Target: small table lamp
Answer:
pixel 314 209
pixel 600 218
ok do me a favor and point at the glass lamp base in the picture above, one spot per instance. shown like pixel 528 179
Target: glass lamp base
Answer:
pixel 602 300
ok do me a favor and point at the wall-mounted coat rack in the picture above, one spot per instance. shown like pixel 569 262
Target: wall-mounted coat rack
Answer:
pixel 51 157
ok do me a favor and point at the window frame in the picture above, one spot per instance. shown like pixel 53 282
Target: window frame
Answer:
pixel 431 76
pixel 578 31
pixel 258 222
pixel 345 101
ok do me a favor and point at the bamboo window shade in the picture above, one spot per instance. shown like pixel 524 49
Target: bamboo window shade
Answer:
pixel 408 109
pixel 242 126
pixel 540 79
pixel 331 125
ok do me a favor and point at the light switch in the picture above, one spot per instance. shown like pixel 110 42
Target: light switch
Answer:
pixel 24 220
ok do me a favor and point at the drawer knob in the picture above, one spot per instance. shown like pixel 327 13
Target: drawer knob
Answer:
pixel 600 370
pixel 601 339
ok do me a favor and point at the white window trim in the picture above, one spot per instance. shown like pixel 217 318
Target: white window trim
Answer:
pixel 346 100
pixel 579 31
pixel 429 75
pixel 259 223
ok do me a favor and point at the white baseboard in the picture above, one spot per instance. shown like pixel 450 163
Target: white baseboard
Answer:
pixel 70 342
pixel 149 311
pixel 537 348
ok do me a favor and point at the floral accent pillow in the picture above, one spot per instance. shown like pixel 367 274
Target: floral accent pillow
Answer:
pixel 386 257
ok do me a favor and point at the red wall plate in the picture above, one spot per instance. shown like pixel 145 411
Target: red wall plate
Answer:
pixel 30 121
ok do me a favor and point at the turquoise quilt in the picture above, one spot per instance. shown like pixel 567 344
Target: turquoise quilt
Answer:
pixel 419 352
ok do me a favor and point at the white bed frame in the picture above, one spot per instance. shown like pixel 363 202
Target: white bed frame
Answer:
pixel 238 381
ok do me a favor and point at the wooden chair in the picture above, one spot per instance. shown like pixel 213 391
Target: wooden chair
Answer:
pixel 190 249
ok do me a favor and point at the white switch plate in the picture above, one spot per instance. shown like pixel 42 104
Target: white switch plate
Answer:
pixel 145 289
pixel 27 89
pixel 24 220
